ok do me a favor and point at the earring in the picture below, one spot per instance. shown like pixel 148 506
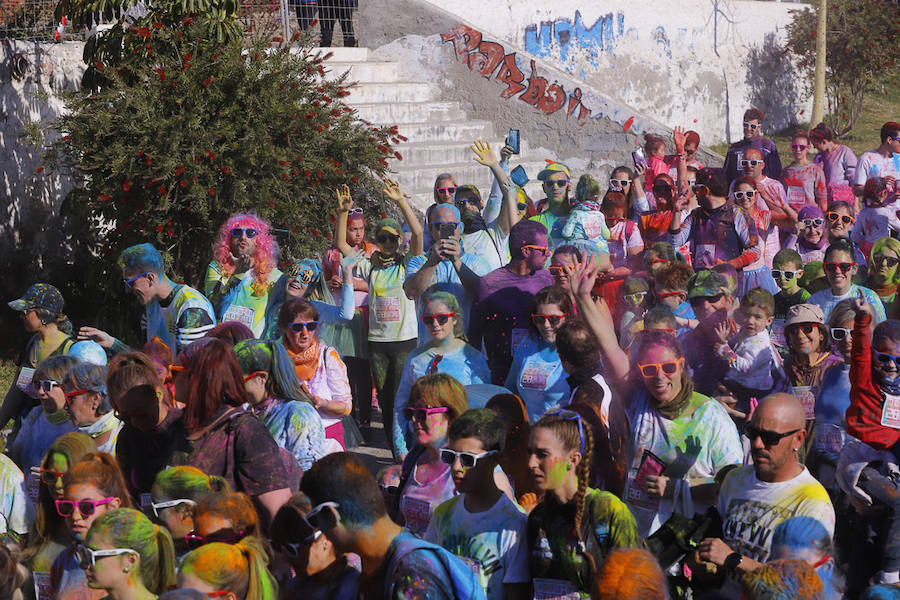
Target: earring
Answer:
pixel 127 570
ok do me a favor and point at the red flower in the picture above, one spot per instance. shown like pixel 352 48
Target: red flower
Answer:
pixel 126 185
pixel 103 198
pixel 211 154
pixel 226 171
pixel 212 191
pixel 183 183
pixel 161 72
pixel 398 155
pixel 207 81
pixel 162 190
pixel 159 228
pixel 187 57
pixel 319 173
pixel 354 179
pixel 171 232
pixel 148 160
pixel 144 32
pixel 179 170
pixel 99 65
pixel 284 162
pixel 39 170
pixel 157 25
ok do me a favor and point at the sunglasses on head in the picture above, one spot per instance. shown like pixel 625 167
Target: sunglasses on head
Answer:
pixel 50 477
pixel 751 126
pixel 841 333
pixel 769 438
pixel 355 211
pixel 440 318
pixel 884 358
pixel 570 415
pixel 319 519
pixel 669 367
pixel 47 385
pixel 66 508
pixel 799 146
pixel 560 183
pixel 817 222
pixel 87 557
pixel 620 182
pixel 309 326
pixel 889 261
pixel 751 162
pixel 386 238
pixel 467 459
pixel 782 274
pixel 240 231
pixel 741 195
pixel 832 267
pixel 129 283
pixel 447 191
pixel 223 536
pixel 158 506
pixel 554 320
pixel 835 217
pixel 413 413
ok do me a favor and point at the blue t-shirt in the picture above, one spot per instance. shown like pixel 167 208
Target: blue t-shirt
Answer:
pixel 537 376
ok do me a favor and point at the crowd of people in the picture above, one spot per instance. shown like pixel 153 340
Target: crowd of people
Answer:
pixel 683 382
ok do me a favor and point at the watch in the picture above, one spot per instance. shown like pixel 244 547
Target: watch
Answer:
pixel 732 562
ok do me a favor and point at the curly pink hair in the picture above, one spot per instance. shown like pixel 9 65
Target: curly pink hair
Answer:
pixel 264 260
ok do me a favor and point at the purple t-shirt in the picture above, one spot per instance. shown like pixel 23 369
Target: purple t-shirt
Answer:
pixel 501 316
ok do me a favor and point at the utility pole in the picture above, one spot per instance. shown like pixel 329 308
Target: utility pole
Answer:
pixel 818 110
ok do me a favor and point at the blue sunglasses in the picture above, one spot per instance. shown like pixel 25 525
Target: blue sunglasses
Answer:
pixel 569 415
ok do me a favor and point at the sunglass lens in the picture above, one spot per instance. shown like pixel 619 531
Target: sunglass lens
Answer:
pixel 442 319
pixel 251 233
pixel 669 368
pixel 236 232
pixel 86 508
pixel 65 509
pixel 49 477
pixel 467 460
pixel 447 457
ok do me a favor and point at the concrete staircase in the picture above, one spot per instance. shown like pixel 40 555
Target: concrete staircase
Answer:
pixel 439 133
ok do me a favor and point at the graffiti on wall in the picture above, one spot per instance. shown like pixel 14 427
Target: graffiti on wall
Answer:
pixel 562 35
pixel 491 61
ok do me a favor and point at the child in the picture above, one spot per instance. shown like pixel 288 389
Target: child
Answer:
pixel 751 357
pixel 482 525
pixel 756 274
pixel 670 289
pixel 810 238
pixel 625 243
pixel 869 459
pixel 633 300
pixel 879 217
pixel 586 228
pixel 787 269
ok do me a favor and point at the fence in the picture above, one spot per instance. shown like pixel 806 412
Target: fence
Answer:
pixel 272 20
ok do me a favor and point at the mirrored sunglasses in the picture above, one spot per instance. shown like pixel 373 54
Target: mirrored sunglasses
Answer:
pixel 817 222
pixel 751 126
pixel 786 275
pixel 835 217
pixel 741 195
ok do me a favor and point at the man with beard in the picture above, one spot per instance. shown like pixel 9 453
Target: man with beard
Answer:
pixel 756 498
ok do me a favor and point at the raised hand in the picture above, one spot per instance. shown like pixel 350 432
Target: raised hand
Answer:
pixel 392 191
pixel 723 332
pixel 97 335
pixel 344 199
pixel 483 153
pixel 860 304
pixel 505 152
pixel 679 138
pixel 349 262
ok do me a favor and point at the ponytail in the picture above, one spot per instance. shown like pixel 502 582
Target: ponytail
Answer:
pixel 164 577
pixel 239 568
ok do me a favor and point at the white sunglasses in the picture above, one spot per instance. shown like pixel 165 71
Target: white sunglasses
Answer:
pixel 87 557
pixel 155 506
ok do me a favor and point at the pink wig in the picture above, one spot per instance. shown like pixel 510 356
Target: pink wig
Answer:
pixel 264 260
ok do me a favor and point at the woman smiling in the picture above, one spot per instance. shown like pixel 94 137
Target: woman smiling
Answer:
pixel 884 273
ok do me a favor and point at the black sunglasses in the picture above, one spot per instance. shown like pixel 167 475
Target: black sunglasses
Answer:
pixel 224 536
pixel 298 327
pixel 441 319
pixel 769 438
pixel 385 238
pixel 883 260
pixel 560 183
pixel 710 299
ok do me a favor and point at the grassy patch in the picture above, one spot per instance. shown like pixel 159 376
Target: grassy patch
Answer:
pixel 880 106
pixel 7 374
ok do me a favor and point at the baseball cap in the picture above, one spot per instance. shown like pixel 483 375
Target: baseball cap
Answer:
pixel 804 313
pixel 40 295
pixel 390 225
pixel 553 168
pixel 706 284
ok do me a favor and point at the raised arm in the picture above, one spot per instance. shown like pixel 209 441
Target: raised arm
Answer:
pixel 681 158
pixel 345 201
pixel 485 156
pixel 416 240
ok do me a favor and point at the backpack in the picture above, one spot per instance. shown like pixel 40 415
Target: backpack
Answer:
pixel 461 578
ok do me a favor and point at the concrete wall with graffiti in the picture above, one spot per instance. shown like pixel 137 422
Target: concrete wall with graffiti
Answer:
pixel 695 63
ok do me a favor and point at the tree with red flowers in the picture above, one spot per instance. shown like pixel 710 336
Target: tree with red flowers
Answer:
pixel 862 40
pixel 186 131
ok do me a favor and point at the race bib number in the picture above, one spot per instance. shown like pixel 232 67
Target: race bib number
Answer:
pixel 41 585
pixel 240 314
pixel 650 466
pixel 32 487
pixel 387 309
pixel 417 513
pixel 593 226
pixel 890 414
pixel 829 438
pixel 517 337
pixel 842 193
pixel 26 374
pixel 807 395
pixel 796 197
pixel 554 589
pixel 535 375
pixel 778 337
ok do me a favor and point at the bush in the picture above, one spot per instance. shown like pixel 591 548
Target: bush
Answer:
pixel 185 130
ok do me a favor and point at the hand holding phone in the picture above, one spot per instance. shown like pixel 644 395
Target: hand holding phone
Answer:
pixel 512 140
pixel 638 158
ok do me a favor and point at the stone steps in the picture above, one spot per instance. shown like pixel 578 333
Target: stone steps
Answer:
pixel 439 133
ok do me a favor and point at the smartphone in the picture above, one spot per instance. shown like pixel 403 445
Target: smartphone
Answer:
pixel 512 140
pixel 651 465
pixel 519 176
pixel 638 157
pixel 447 230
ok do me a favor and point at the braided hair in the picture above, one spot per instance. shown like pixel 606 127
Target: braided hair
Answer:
pixel 576 435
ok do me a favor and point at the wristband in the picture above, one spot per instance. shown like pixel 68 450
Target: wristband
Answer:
pixel 732 562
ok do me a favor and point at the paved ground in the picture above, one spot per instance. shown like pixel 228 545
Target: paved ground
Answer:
pixel 377 455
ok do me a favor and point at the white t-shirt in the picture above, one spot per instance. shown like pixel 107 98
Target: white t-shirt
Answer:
pixel 490 244
pixel 751 510
pixel 16 510
pixel 492 542
pixel 873 164
pixel 392 316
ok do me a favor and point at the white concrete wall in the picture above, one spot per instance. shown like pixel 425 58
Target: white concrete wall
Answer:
pixel 696 63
